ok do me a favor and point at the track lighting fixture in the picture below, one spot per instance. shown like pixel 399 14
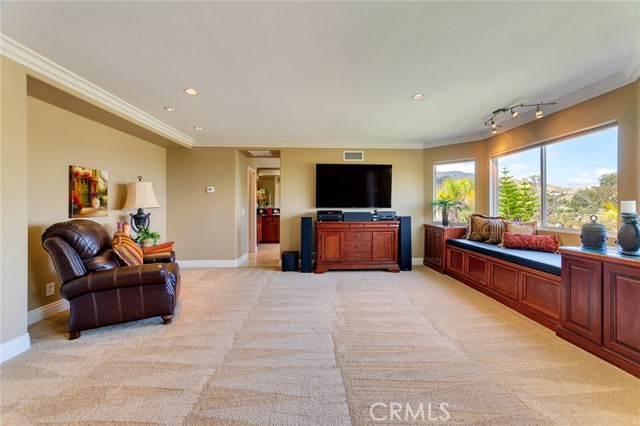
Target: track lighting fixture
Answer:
pixel 514 113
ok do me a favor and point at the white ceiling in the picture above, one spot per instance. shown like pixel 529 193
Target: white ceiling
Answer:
pixel 276 74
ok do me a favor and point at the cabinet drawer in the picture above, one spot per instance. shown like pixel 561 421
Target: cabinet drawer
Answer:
pixel 356 256
pixel 357 246
pixel 357 236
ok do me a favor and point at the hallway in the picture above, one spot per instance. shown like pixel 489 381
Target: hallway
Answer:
pixel 266 255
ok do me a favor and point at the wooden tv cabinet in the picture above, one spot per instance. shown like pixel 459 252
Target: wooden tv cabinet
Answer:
pixel 357 245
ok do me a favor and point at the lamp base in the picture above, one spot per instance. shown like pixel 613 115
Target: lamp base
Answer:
pixel 140 220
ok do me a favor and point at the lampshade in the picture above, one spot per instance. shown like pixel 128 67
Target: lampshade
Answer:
pixel 140 195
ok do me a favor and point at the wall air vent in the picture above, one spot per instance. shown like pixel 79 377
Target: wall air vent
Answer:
pixel 353 155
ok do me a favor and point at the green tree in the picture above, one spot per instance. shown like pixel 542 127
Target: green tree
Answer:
pixel 508 196
pixel 529 199
pixel 461 190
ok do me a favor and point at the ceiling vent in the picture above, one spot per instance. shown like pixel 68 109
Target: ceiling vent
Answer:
pixel 353 155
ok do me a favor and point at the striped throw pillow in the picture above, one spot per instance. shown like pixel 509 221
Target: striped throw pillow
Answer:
pixel 126 249
pixel 496 229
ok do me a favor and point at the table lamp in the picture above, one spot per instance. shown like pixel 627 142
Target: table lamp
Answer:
pixel 140 196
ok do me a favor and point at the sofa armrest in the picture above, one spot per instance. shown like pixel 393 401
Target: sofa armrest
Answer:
pixel 159 257
pixel 110 279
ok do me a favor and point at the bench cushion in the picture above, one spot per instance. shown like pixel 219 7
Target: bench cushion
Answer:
pixel 542 261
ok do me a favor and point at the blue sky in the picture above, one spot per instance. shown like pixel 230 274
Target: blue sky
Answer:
pixel 577 162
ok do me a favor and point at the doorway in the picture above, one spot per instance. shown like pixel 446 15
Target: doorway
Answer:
pixel 263 205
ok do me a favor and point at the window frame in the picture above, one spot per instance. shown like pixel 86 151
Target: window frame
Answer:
pixel 494 172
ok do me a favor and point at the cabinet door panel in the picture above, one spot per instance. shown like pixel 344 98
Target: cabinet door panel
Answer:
pixel 477 269
pixel 384 246
pixel 504 280
pixel 455 260
pixel 581 298
pixel 438 244
pixel 331 246
pixel 622 310
pixel 541 295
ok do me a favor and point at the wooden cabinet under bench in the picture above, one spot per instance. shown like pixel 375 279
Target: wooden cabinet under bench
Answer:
pixel 435 238
pixel 533 293
pixel 357 245
pixel 601 304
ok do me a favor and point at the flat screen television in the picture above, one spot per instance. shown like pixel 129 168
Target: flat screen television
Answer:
pixel 353 185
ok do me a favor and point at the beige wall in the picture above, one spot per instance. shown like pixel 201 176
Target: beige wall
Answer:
pixel 297 181
pixel 59 139
pixel 202 225
pixel 13 201
pixel 622 106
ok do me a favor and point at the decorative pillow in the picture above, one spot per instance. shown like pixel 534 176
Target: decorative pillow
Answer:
pixel 521 228
pixel 478 229
pixel 126 249
pixel 496 229
pixel 549 243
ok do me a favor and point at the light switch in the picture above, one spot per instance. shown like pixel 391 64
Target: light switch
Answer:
pixel 211 189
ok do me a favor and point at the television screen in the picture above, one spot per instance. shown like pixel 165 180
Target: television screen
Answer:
pixel 353 185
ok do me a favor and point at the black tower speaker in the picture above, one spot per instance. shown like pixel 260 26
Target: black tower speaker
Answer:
pixel 305 244
pixel 404 243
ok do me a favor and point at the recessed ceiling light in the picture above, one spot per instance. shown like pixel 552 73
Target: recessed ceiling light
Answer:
pixel 191 92
pixel 198 128
pixel 417 96
pixel 170 109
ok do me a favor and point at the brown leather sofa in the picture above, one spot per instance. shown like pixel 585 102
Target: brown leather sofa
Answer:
pixel 100 289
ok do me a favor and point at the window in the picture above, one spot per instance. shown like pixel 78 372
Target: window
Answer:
pixel 455 181
pixel 561 183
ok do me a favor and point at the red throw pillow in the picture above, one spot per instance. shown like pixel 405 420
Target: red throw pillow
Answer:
pixel 548 243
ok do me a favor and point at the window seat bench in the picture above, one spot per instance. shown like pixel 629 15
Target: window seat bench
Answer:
pixel 525 280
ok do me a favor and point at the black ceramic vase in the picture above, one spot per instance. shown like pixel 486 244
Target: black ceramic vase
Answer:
pixel 445 217
pixel 629 234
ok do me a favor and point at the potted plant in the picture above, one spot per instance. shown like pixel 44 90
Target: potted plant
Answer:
pixel 146 237
pixel 445 204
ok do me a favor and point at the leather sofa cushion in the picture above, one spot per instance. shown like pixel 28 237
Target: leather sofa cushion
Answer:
pixel 102 261
pixel 541 261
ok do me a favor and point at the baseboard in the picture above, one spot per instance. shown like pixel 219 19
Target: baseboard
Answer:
pixel 213 263
pixel 416 260
pixel 47 311
pixel 14 347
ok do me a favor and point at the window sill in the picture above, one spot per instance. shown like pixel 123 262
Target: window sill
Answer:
pixel 562 230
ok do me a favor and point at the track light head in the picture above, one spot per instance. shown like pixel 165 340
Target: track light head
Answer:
pixel 494 131
pixel 514 114
pixel 539 112
pixel 493 125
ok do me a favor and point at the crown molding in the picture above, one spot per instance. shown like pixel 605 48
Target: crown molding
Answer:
pixel 632 67
pixel 311 143
pixel 38 63
pixel 452 141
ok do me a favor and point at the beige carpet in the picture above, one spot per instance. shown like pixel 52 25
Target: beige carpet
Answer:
pixel 255 346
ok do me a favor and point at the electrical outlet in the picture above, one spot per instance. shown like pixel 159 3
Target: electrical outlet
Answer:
pixel 49 289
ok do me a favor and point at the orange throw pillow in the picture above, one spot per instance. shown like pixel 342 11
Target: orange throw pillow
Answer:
pixel 126 249
pixel 548 243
